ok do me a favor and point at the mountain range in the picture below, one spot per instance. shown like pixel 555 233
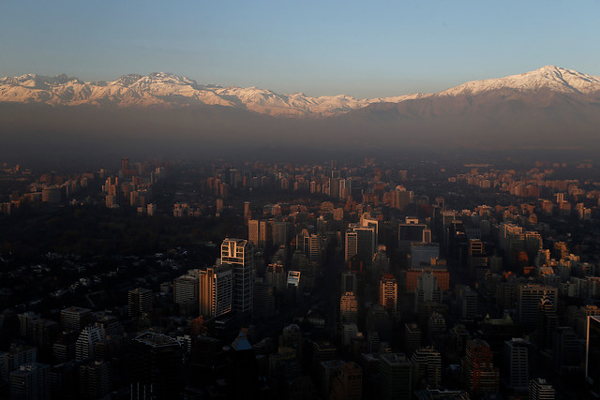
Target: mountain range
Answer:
pixel 549 108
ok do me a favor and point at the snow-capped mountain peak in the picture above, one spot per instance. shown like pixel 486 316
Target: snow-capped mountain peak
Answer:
pixel 549 77
pixel 163 89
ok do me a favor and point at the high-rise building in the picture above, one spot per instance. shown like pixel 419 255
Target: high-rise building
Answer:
pixel 215 291
pixel 239 254
pixel 95 379
pixel 156 367
pixel 539 389
pixel 566 348
pixel 185 292
pixel 347 385
pixel 348 308
pixel 265 234
pixel 360 241
pixel 427 290
pixel 30 381
pixel 547 322
pixel 396 376
pixel 515 368
pixel 264 298
pixel 480 375
pixel 388 293
pixel 528 300
pixel 75 318
pixel 139 302
pixel 349 282
pixel 412 338
pixel 412 231
pixel 467 298
pixel 427 366
pixel 592 354
pixel 276 276
pixel 84 347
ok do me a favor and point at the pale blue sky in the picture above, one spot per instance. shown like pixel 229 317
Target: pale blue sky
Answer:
pixel 322 47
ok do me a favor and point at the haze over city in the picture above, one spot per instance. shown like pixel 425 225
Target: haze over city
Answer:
pixel 299 200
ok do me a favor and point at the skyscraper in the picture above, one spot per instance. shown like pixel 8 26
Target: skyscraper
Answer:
pixel 427 366
pixel 185 292
pixel 539 389
pixel 388 293
pixel 395 370
pixel 360 241
pixel 139 302
pixel 528 301
pixel 215 291
pixel 238 253
pixel 156 367
pixel 347 385
pixel 480 375
pixel 30 381
pixel 592 354
pixel 84 347
pixel 75 318
pixel 547 322
pixel 516 364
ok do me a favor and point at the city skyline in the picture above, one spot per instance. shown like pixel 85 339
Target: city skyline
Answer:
pixel 352 48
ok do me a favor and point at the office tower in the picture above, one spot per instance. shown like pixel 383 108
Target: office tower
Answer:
pixel 467 299
pixel 395 376
pixel 280 233
pixel 427 290
pixel 528 301
pixel 412 338
pixel 291 338
pixel 139 302
pixel 347 385
pixel 348 308
pixel 422 253
pixel 109 325
pixel 427 367
pixel 30 381
pixel 439 271
pixel 276 276
pixel 388 293
pixel 185 293
pixel 264 298
pixel 328 371
pixel 566 348
pixel 75 318
pixel 95 379
pixel 592 354
pixel 247 212
pixel 349 282
pixel 480 375
pixel 156 367
pixel 381 262
pixel 515 371
pixel 239 254
pixel 323 350
pixel 547 322
pixel 254 231
pixel 215 291
pixel 314 253
pixel 539 389
pixel 360 241
pixel 84 347
pixel 260 233
pixel 412 231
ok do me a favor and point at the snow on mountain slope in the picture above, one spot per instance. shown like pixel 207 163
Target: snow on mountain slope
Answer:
pixel 549 77
pixel 169 90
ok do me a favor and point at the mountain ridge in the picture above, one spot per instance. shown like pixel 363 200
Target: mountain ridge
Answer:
pixel 167 90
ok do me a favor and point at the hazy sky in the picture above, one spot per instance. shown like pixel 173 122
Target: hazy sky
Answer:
pixel 379 48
